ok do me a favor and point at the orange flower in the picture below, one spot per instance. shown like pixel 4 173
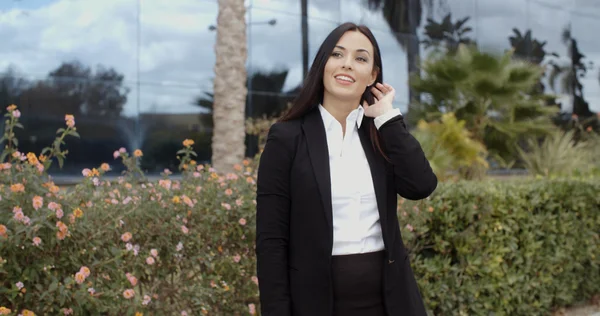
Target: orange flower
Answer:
pixel 138 153
pixel 237 167
pixel 78 212
pixel 27 312
pixel 79 277
pixel 32 159
pixel 105 167
pixel 17 187
pixel 176 199
pixel 188 143
pixel 228 192
pixel 11 108
pixel 3 230
pixel 38 202
pixel 54 189
pixel 42 158
pixel 129 293
pixel 4 311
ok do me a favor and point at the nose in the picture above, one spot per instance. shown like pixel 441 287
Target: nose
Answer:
pixel 347 63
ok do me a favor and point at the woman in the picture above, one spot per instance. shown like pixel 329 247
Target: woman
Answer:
pixel 328 239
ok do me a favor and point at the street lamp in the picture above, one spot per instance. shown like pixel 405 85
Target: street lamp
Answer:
pixel 269 22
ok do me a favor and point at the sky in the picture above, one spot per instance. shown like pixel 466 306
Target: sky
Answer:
pixel 176 47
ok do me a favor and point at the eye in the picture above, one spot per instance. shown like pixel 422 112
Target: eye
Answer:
pixel 336 54
pixel 362 59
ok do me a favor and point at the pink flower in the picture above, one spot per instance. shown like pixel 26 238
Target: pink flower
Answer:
pixel 184 229
pixel 19 285
pixel 154 253
pixel 150 260
pixel 86 172
pixel 226 206
pixel 129 293
pixel 37 241
pixel 254 279
pixel 16 113
pixel 132 279
pixel 147 300
pixel 238 202
pixel 252 309
pixel 116 154
pixel 409 227
pixel 196 174
pixel 59 213
pixel 127 200
pixel 122 150
pixel 237 258
pixel 126 237
pixel 242 221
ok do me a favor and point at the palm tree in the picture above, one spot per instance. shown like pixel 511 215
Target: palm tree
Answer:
pixel 228 140
pixel 447 33
pixel 569 74
pixel 488 92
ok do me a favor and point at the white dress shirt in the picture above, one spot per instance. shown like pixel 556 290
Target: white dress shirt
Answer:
pixel 356 227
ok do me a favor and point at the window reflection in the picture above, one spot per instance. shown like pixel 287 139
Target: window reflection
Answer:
pixel 495 21
pixel 275 48
pixel 584 28
pixel 169 115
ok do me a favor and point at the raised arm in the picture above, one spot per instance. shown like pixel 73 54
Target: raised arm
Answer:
pixel 413 176
pixel 272 223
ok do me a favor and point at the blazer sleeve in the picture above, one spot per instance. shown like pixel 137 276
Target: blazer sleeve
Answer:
pixel 272 222
pixel 413 177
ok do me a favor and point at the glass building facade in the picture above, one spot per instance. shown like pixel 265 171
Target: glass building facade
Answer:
pixel 138 73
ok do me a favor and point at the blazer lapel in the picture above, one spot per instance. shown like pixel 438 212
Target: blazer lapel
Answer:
pixel 319 156
pixel 378 172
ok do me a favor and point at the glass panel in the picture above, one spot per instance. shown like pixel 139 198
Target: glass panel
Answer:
pixel 99 107
pixel 495 21
pixel 275 48
pixel 547 23
pixel 361 12
pixel 169 115
pixel 281 7
pixel 42 35
pixel 584 28
pixel 433 31
pixel 324 10
pixel 177 42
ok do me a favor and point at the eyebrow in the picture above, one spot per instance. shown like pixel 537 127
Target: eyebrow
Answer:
pixel 358 50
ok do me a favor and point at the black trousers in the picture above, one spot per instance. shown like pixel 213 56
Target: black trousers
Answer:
pixel 358 284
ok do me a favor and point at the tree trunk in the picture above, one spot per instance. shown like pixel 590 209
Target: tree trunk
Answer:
pixel 229 86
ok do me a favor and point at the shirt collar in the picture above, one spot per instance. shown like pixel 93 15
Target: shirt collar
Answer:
pixel 355 116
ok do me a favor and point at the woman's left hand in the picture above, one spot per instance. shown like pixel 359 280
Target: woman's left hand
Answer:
pixel 384 95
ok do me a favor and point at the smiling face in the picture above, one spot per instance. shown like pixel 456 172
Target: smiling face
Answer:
pixel 349 69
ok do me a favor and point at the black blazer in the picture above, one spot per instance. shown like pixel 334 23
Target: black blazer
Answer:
pixel 294 232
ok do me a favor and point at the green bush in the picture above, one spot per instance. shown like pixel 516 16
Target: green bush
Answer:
pixel 507 247
pixel 186 246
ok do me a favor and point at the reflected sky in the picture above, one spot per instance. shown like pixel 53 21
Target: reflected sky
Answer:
pixel 176 47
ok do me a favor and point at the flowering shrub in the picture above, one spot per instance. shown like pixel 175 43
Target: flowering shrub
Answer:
pixel 127 247
pixel 186 247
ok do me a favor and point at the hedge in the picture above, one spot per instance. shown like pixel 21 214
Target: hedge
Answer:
pixel 186 246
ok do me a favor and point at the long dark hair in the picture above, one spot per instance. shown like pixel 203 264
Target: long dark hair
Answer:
pixel 311 93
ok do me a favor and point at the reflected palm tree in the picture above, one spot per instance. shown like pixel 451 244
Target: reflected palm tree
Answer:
pixel 568 74
pixel 404 18
pixel 447 34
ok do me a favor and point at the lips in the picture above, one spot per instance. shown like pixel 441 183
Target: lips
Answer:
pixel 345 77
